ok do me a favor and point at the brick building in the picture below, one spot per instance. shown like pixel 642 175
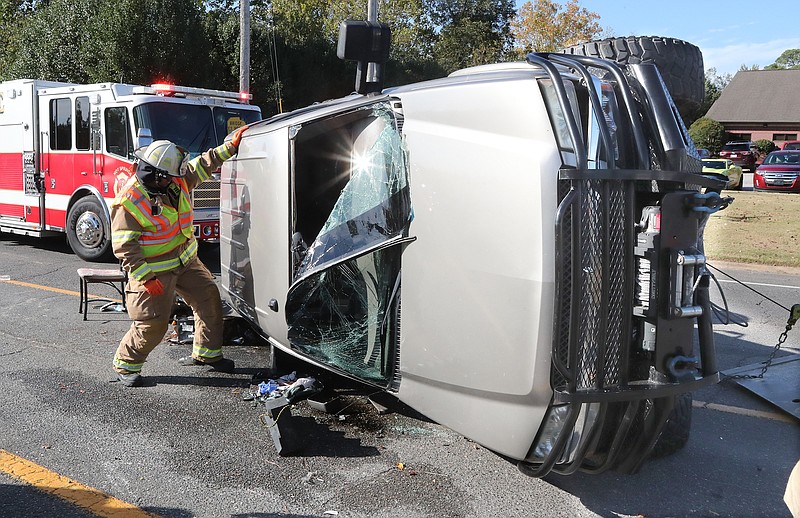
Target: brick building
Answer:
pixel 760 104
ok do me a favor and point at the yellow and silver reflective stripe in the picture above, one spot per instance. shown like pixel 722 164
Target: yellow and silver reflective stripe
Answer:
pixel 224 152
pixel 141 272
pixel 175 262
pixel 130 367
pixel 189 253
pixel 123 236
pixel 205 352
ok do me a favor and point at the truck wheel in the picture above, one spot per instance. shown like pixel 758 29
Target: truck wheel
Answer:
pixel 88 231
pixel 680 63
pixel 675 434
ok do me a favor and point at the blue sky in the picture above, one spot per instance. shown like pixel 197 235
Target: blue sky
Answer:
pixel 729 33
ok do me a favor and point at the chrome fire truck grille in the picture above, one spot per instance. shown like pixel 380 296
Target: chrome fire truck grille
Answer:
pixel 206 195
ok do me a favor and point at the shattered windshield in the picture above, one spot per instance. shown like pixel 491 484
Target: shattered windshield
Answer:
pixel 342 309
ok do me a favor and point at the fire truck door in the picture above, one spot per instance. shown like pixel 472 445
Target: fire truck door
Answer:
pixel 56 158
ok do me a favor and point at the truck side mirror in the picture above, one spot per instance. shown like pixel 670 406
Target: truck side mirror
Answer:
pixel 94 126
pixel 144 137
pixel 365 42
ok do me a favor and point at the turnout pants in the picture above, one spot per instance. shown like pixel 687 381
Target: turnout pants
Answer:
pixel 151 316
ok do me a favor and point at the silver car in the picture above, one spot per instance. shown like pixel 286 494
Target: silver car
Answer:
pixel 514 251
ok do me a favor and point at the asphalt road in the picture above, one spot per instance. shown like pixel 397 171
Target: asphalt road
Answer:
pixel 187 444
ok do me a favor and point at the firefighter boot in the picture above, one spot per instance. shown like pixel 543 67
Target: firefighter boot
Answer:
pixel 223 365
pixel 130 379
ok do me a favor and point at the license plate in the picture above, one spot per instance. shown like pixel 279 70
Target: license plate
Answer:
pixel 734 155
pixel 778 182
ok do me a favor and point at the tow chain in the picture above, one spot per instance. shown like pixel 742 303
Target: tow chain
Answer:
pixel 794 316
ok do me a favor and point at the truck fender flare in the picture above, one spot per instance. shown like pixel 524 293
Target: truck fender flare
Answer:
pixel 90 190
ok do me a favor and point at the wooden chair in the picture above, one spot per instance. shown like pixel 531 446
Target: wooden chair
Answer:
pixel 101 276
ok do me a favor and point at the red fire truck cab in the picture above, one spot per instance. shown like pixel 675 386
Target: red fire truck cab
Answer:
pixel 65 150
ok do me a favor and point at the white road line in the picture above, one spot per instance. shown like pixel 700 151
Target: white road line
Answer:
pixel 743 411
pixel 762 284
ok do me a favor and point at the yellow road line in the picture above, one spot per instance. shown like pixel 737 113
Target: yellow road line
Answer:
pixel 55 290
pixel 85 497
pixel 744 411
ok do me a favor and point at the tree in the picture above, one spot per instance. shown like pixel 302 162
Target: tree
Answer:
pixel 471 32
pixel 708 133
pixel 789 59
pixel 87 41
pixel 764 146
pixel 50 42
pixel 549 26
pixel 714 84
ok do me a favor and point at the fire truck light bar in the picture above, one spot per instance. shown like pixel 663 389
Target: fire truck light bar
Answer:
pixel 168 89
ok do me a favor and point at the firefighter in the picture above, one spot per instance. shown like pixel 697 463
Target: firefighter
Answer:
pixel 153 237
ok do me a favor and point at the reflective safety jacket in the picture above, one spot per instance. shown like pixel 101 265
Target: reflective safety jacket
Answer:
pixel 152 234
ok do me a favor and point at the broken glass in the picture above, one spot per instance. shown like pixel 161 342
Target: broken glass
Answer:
pixel 342 309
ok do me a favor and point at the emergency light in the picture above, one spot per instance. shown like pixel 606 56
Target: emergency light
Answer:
pixel 169 90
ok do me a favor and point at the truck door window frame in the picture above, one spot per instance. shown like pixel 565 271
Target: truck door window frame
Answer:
pixel 118 132
pixel 82 124
pixel 342 308
pixel 61 124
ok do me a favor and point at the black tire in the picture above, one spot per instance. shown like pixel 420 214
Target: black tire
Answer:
pixel 680 63
pixel 88 230
pixel 675 433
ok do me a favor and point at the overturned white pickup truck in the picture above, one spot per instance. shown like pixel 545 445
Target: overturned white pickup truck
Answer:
pixel 514 251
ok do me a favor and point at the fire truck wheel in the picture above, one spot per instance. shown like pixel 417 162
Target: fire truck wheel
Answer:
pixel 675 434
pixel 88 231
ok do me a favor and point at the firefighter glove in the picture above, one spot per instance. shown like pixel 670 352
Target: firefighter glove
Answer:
pixel 154 286
pixel 237 137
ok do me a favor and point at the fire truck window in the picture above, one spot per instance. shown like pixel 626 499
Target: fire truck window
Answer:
pixel 118 133
pixel 82 123
pixel 227 120
pixel 61 124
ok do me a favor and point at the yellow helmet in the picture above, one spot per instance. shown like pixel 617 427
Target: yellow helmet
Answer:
pixel 162 155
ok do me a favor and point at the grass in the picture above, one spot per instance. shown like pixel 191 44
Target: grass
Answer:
pixel 758 227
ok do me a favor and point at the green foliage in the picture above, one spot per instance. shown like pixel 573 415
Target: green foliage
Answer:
pixel 472 32
pixel 548 26
pixel 293 43
pixel 133 41
pixel 714 84
pixel 789 59
pixel 765 146
pixel 708 133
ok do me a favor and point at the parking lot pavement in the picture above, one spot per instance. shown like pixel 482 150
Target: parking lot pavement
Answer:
pixel 187 444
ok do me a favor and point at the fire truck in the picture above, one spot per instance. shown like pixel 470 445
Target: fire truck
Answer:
pixel 66 149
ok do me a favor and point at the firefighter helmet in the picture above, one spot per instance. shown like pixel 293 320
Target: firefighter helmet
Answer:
pixel 161 155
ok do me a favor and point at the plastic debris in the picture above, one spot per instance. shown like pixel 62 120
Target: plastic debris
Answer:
pixel 288 386
pixel 279 396
pixel 267 387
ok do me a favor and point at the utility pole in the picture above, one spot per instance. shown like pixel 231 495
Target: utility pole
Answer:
pixel 372 16
pixel 244 47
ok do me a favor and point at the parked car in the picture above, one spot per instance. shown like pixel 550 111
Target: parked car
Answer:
pixel 791 145
pixel 554 308
pixel 778 172
pixel 724 169
pixel 742 154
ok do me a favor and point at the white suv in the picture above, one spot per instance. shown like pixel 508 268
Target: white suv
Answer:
pixel 514 251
